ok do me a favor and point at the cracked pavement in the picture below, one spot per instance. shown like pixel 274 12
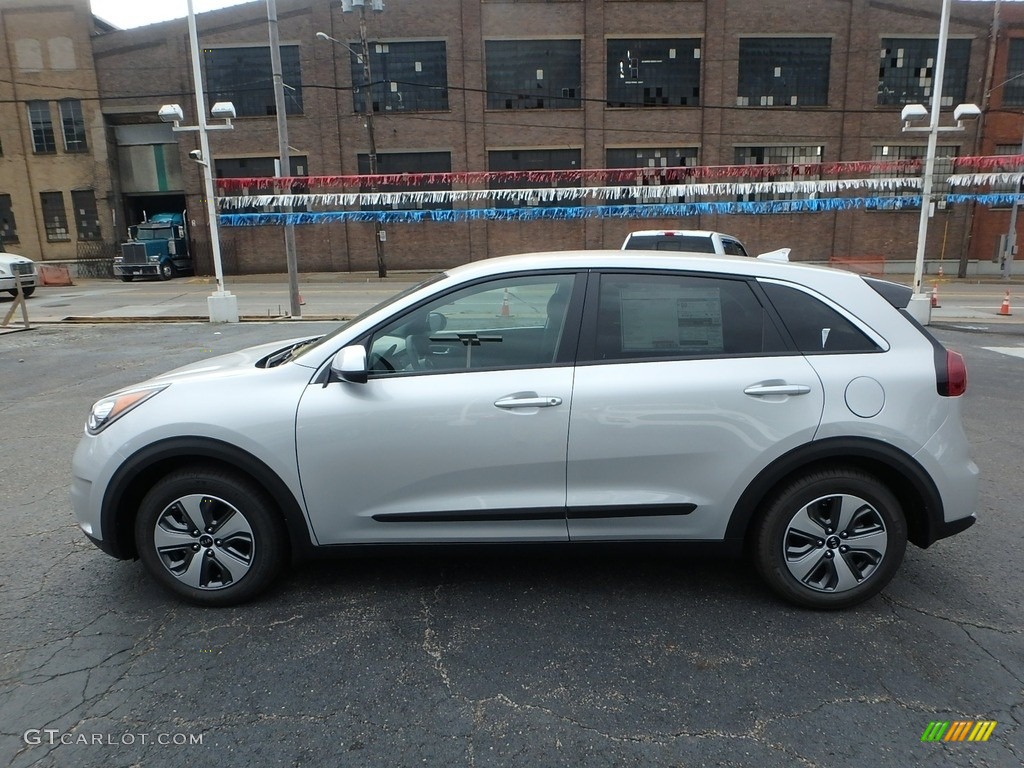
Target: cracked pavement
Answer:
pixel 601 657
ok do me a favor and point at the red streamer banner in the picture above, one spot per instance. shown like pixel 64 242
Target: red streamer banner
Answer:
pixel 588 177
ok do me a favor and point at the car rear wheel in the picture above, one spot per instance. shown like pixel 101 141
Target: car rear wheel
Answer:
pixel 831 539
pixel 212 537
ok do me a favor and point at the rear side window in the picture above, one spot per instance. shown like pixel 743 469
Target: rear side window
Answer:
pixel 816 328
pixel 733 248
pixel 657 316
pixel 669 243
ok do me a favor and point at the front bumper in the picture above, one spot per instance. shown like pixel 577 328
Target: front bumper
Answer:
pixel 136 270
pixel 9 284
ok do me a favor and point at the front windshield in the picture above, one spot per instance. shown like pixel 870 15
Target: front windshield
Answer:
pixel 154 234
pixel 376 308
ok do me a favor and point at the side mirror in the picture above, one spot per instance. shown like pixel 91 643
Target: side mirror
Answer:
pixel 350 364
pixel 437 322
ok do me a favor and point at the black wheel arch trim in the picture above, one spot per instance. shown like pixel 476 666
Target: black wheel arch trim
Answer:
pixel 906 477
pixel 137 473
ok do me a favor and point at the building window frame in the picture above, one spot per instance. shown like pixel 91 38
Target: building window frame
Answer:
pixel 393 163
pixel 791 155
pixel 8 225
pixel 944 155
pixel 72 121
pixel 239 74
pixel 55 217
pixel 263 166
pixel 87 217
pixel 532 159
pixel 650 163
pixel 1013 81
pixel 906 70
pixel 44 141
pixel 534 73
pixel 652 72
pixel 790 71
pixel 406 75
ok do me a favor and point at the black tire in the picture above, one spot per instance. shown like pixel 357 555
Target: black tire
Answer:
pixel 235 566
pixel 126 278
pixel 166 271
pixel 831 539
pixel 27 291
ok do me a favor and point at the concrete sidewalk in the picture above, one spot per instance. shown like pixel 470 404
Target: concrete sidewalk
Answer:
pixel 339 296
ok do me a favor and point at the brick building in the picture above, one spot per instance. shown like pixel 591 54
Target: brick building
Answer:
pixel 488 85
pixel 55 181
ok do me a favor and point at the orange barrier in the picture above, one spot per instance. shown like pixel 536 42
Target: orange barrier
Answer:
pixel 51 274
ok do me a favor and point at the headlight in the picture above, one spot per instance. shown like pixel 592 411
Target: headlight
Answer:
pixel 109 409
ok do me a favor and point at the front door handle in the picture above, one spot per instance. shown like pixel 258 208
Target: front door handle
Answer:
pixel 528 402
pixel 766 390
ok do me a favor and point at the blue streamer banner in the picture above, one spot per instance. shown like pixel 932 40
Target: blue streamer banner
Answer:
pixel 674 210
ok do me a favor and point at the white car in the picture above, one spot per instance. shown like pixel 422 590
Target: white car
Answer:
pixel 794 413
pixel 10 265
pixel 690 240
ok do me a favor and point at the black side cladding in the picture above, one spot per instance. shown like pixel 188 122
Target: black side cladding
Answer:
pixel 896 294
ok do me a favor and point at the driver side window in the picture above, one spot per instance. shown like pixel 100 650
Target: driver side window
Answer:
pixel 506 323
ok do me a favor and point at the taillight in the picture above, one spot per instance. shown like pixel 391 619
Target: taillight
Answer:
pixel 955 383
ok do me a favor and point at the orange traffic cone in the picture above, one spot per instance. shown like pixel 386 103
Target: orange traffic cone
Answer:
pixel 940 270
pixel 935 296
pixel 1005 308
pixel 504 305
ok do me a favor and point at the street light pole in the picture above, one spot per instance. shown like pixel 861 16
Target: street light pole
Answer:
pixel 222 305
pixel 933 138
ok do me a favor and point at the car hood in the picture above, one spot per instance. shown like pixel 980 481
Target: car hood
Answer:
pixel 242 360
pixel 7 259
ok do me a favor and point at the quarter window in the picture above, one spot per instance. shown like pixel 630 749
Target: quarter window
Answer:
pixel 653 317
pixel 515 322
pixel 533 74
pixel 815 327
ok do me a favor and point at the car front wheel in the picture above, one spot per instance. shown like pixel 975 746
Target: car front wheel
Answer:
pixel 26 291
pixel 831 539
pixel 166 271
pixel 212 537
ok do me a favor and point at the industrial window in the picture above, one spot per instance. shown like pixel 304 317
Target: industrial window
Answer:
pixel 1013 88
pixel 8 227
pixel 55 218
pixel 533 74
pixel 783 72
pixel 943 166
pixel 653 73
pixel 650 161
pixel 407 77
pixel 262 167
pixel 532 160
pixel 244 77
pixel 907 69
pixel 87 218
pixel 73 123
pixel 409 162
pixel 43 141
pixel 786 156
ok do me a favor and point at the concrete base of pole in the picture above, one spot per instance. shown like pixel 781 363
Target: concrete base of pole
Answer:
pixel 223 306
pixel 920 308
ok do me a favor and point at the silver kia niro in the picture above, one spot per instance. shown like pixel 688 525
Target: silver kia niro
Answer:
pixel 794 415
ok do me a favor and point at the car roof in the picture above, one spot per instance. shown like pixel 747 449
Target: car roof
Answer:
pixel 648 260
pixel 680 233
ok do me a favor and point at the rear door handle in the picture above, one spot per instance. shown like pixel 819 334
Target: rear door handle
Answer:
pixel 528 402
pixel 766 390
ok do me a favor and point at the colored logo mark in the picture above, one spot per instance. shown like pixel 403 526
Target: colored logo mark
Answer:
pixel 959 730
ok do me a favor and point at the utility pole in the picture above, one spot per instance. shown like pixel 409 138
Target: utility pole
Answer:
pixel 285 167
pixel 378 228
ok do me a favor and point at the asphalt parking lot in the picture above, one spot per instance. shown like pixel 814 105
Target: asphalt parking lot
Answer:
pixel 609 657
